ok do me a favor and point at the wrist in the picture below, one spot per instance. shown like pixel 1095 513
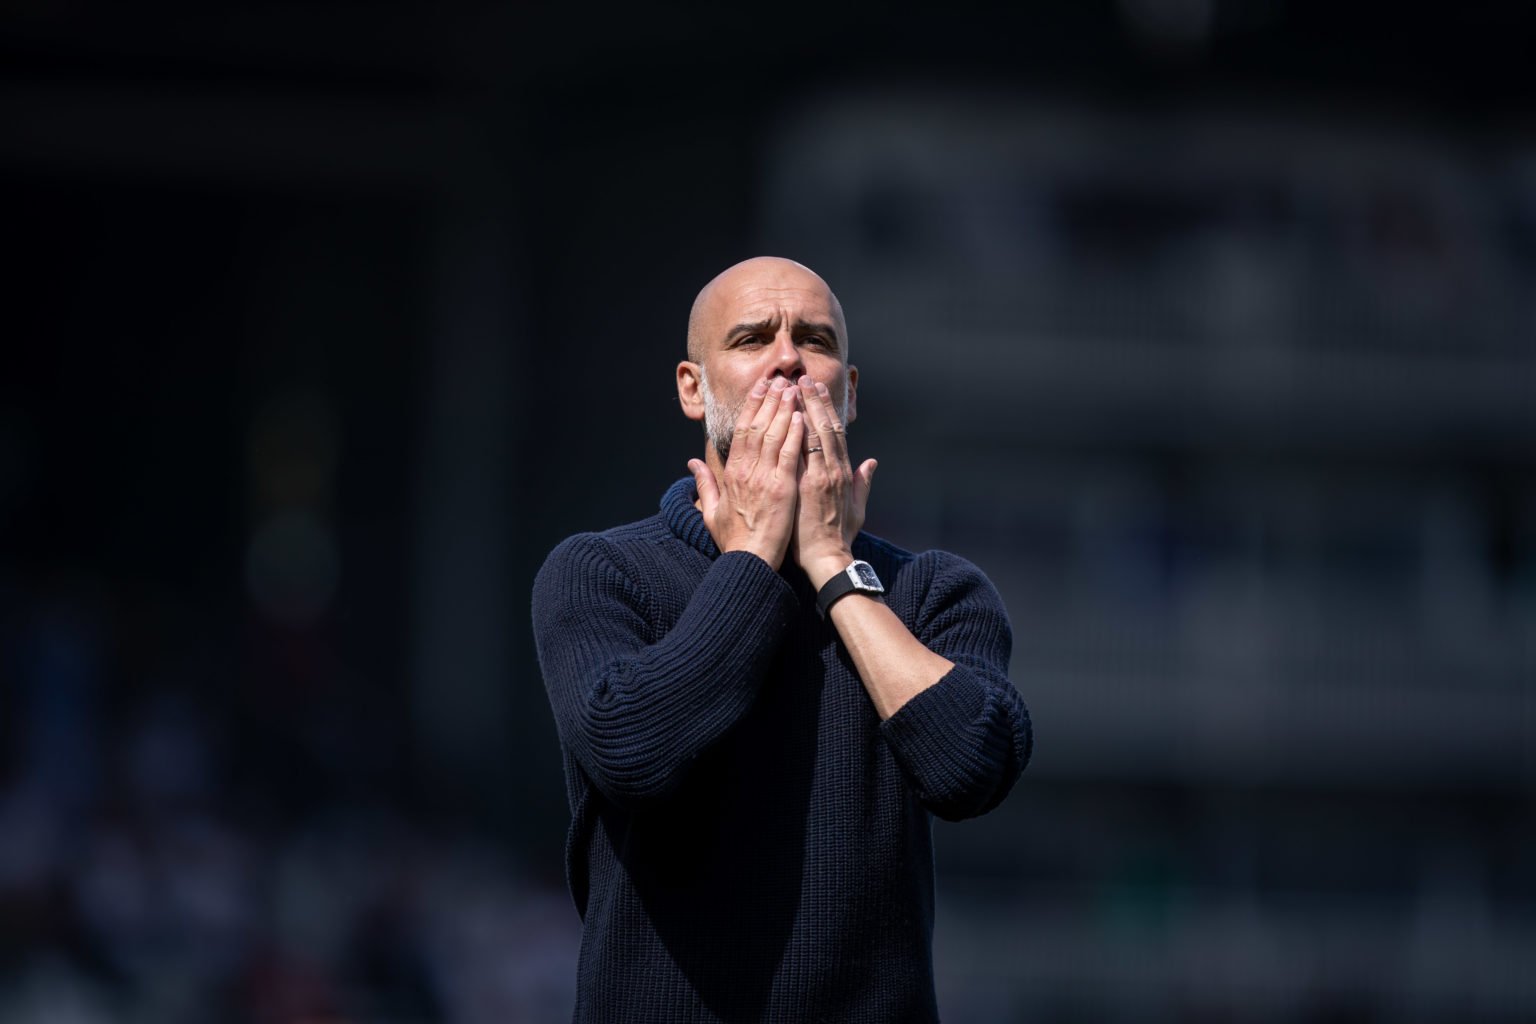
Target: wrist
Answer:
pixel 767 553
pixel 857 578
pixel 820 568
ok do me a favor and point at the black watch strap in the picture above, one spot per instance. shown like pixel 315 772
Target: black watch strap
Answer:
pixel 858 577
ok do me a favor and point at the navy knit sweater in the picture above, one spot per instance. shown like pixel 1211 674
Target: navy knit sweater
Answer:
pixel 748 841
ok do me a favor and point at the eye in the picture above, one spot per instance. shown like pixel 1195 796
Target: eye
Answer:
pixel 750 339
pixel 817 340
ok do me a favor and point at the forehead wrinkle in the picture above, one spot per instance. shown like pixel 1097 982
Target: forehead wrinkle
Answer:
pixel 794 307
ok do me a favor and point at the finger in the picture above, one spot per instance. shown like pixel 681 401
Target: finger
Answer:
pixel 789 451
pixel 813 444
pixel 704 483
pixel 753 403
pixel 824 421
pixel 863 480
pixel 814 414
pixel 785 398
pixel 757 408
pixel 756 413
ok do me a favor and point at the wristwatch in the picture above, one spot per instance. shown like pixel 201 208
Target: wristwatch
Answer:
pixel 859 577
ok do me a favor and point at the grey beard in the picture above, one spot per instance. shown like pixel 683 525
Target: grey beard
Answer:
pixel 720 421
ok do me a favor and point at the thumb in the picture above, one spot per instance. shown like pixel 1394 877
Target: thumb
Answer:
pixel 704 483
pixel 864 479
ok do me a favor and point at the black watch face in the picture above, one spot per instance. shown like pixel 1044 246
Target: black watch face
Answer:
pixel 866 574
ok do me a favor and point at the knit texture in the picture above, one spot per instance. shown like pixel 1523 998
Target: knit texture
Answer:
pixel 748 841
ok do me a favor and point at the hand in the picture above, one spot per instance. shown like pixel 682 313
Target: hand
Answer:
pixel 832 495
pixel 752 505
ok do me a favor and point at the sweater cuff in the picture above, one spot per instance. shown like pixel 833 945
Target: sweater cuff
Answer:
pixel 928 725
pixel 746 576
pixel 953 743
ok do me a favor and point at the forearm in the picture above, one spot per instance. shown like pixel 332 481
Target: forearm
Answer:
pixel 954 721
pixel 893 665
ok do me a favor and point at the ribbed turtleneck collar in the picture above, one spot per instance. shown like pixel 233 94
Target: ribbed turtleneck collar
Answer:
pixel 684 520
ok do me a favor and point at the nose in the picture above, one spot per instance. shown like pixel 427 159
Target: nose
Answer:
pixel 786 357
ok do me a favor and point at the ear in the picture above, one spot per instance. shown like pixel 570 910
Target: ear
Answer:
pixel 689 393
pixel 853 393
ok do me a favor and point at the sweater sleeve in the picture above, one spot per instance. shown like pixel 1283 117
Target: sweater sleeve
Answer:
pixel 635 713
pixel 964 741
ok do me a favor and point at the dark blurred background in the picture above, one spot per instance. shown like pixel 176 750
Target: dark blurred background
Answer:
pixel 1205 327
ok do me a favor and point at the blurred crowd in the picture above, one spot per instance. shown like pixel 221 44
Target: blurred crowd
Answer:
pixel 136 885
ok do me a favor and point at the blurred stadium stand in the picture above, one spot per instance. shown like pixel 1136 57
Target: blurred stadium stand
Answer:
pixel 1240 411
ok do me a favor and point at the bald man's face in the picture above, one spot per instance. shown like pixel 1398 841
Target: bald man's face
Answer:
pixel 760 320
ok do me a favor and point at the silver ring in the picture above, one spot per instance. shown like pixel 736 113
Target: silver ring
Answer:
pixel 816 449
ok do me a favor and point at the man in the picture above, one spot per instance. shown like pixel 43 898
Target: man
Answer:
pixel 760 705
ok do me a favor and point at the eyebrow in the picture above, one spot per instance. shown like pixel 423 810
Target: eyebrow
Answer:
pixel 801 327
pixel 752 328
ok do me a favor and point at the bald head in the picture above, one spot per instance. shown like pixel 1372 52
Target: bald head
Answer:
pixel 748 280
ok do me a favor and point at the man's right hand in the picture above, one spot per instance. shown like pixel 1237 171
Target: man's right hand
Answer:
pixel 752 504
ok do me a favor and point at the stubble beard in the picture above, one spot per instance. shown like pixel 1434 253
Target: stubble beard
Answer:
pixel 720 418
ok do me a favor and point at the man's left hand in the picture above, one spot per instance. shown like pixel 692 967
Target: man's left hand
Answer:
pixel 833 495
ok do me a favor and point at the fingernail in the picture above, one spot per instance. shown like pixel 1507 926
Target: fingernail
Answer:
pixel 760 388
pixel 778 383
